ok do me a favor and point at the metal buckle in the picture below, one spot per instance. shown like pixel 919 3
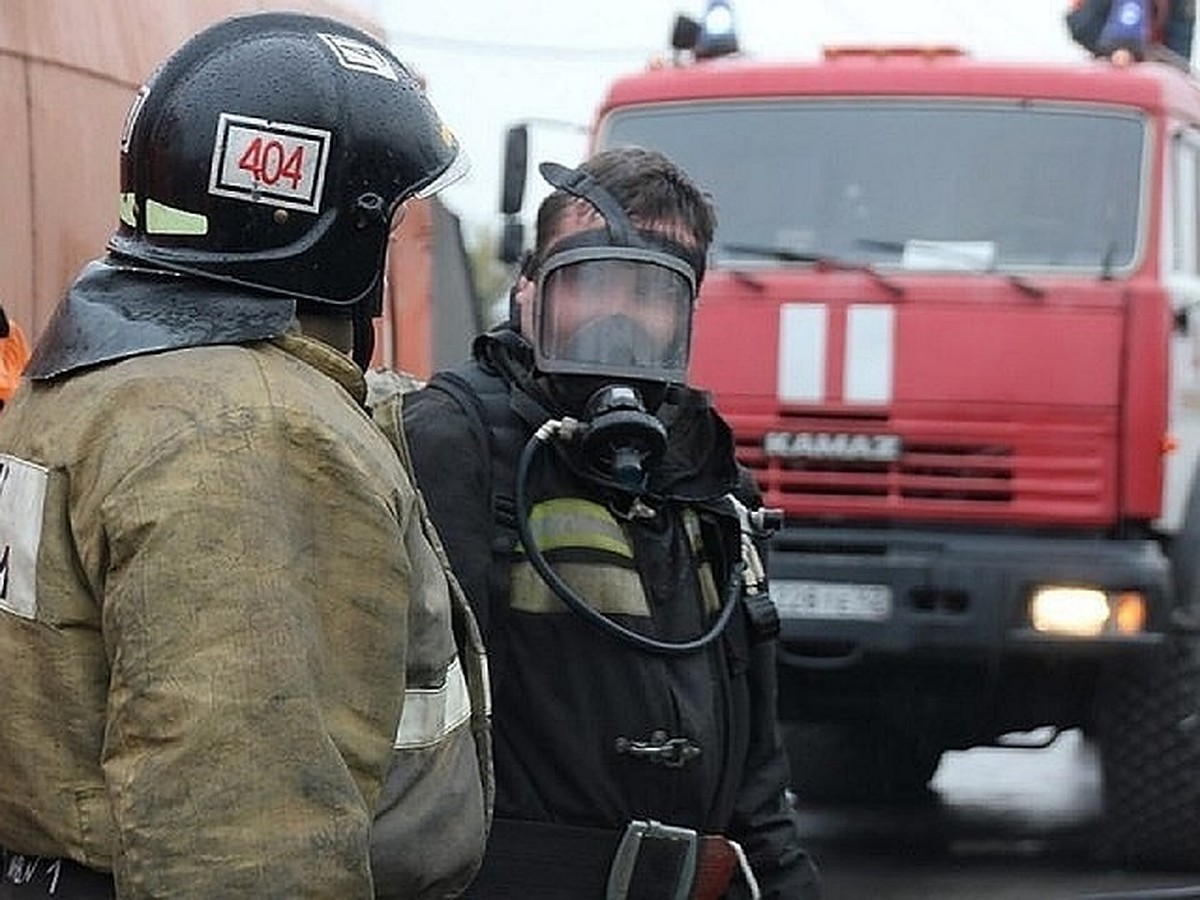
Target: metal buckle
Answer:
pixel 620 873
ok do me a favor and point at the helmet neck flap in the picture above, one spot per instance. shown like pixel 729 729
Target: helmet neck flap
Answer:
pixel 271 152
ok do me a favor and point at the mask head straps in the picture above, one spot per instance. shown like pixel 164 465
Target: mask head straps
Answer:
pixel 579 183
pixel 622 231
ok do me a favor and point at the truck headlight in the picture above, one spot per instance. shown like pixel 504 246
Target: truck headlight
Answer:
pixel 1086 612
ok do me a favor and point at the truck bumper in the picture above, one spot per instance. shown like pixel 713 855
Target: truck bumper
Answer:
pixel 950 596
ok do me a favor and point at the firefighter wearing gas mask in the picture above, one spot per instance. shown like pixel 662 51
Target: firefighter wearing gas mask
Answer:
pixel 592 508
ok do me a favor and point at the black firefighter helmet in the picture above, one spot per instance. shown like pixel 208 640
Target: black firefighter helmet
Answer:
pixel 271 151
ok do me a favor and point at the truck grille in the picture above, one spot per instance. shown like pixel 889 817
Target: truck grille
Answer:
pixel 981 474
pixel 1033 472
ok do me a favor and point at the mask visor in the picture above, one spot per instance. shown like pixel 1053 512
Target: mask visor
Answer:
pixel 618 311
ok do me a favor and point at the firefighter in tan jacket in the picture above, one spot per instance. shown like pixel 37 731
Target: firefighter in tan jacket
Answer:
pixel 224 616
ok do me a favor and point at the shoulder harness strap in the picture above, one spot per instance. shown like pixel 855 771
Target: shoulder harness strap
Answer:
pixel 499 436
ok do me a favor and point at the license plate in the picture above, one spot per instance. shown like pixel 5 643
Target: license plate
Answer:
pixel 830 600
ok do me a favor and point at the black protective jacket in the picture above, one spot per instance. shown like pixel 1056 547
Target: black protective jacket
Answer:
pixel 571 703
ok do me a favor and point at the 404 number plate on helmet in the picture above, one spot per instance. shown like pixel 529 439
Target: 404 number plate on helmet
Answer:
pixel 269 162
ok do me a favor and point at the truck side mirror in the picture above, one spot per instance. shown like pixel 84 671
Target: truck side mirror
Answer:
pixel 512 239
pixel 516 162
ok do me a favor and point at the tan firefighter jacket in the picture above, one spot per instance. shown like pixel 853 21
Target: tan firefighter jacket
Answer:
pixel 211 567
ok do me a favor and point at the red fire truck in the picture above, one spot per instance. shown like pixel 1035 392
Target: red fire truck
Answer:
pixel 951 315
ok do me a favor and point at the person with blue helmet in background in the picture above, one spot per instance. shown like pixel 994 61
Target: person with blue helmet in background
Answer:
pixel 1130 30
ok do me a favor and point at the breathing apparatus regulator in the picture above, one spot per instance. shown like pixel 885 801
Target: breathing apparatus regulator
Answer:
pixel 586 289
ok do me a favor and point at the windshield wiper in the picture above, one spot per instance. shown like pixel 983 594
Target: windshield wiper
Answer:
pixel 782 254
pixel 1024 285
pixel 820 260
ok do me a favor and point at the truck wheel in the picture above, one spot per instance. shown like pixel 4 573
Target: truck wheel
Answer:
pixel 1148 725
pixel 853 762
pixel 1185 548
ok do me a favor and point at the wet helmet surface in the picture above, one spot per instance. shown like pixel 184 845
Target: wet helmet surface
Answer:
pixel 271 151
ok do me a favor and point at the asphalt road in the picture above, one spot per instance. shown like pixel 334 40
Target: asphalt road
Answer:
pixel 1000 824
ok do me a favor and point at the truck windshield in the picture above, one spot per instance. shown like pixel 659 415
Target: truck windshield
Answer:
pixel 932 185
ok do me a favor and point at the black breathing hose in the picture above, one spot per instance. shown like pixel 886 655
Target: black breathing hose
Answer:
pixel 574 602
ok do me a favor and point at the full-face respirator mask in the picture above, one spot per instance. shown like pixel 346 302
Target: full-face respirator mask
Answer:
pixel 622 312
pixel 611 322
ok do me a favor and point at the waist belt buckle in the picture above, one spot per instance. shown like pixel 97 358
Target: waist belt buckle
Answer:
pixel 637 832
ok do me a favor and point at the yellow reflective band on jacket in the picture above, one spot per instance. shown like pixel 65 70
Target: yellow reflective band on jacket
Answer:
pixel 430 714
pixel 572 522
pixel 610 586
pixel 704 572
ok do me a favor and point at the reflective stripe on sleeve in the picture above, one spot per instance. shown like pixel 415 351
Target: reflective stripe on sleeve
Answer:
pixel 431 713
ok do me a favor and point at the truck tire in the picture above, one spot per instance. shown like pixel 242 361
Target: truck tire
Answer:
pixel 1148 726
pixel 1185 548
pixel 837 762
